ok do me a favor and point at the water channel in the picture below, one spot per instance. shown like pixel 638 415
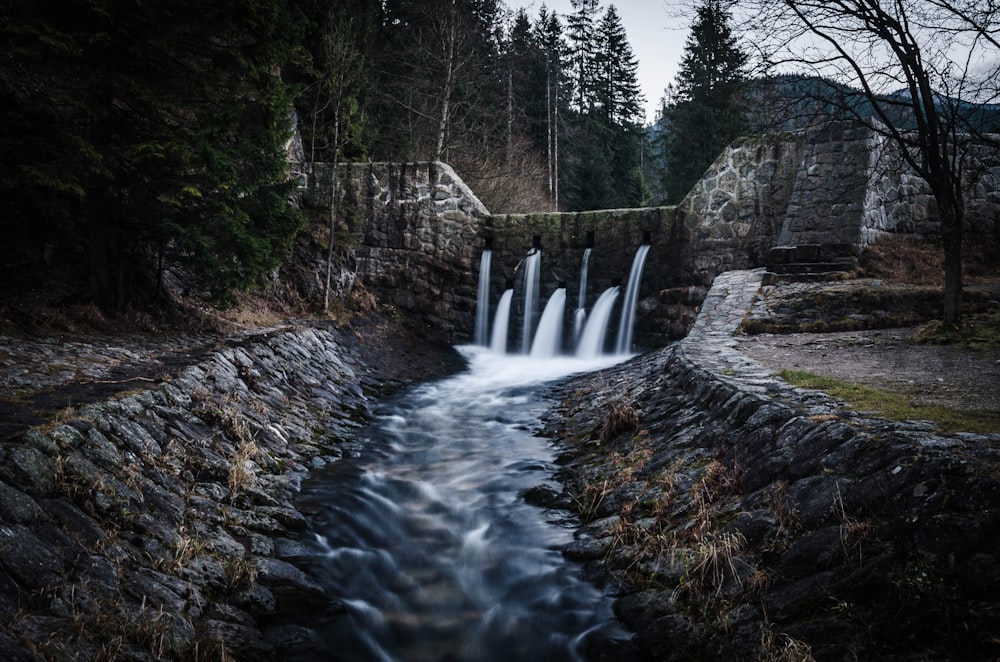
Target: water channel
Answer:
pixel 425 540
pixel 423 537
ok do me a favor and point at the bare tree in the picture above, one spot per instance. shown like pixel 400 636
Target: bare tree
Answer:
pixel 338 71
pixel 921 65
pixel 441 78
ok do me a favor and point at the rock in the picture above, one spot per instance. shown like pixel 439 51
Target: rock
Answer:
pixel 31 470
pixel 33 564
pixel 16 507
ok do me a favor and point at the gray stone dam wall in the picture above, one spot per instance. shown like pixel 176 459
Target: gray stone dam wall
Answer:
pixel 160 525
pixel 410 233
pixel 674 280
pixel 413 233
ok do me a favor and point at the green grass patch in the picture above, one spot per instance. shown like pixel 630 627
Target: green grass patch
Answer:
pixel 896 407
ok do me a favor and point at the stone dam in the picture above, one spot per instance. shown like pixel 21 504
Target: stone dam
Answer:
pixel 163 523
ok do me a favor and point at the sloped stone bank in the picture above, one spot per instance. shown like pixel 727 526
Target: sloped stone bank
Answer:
pixel 741 519
pixel 152 526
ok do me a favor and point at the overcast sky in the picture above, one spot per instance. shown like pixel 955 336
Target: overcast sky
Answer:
pixel 656 35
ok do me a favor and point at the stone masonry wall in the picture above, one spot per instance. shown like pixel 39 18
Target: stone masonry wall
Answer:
pixel 899 201
pixel 828 192
pixel 413 238
pixel 734 213
pixel 155 525
pixel 416 231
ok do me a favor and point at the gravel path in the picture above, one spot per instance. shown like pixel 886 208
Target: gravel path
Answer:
pixel 888 359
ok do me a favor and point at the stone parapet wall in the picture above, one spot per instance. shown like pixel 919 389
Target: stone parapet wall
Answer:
pixel 899 201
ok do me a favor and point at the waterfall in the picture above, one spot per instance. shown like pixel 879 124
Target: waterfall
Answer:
pixel 631 297
pixel 579 319
pixel 548 336
pixel 483 299
pixel 501 322
pixel 592 340
pixel 581 301
pixel 531 285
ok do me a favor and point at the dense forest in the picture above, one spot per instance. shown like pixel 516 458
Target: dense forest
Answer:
pixel 138 134
pixel 138 137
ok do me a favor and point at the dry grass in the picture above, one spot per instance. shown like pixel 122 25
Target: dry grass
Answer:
pixel 903 261
pixel 711 561
pixel 620 417
pixel 242 468
pixel 780 647
pixel 240 573
pixel 185 549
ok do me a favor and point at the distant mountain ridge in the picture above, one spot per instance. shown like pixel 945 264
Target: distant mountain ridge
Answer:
pixel 795 100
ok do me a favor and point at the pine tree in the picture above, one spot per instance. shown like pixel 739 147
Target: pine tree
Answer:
pixel 166 129
pixel 708 110
pixel 605 132
pixel 616 79
pixel 581 31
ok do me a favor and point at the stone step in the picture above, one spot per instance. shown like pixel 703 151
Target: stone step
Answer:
pixel 773 278
pixel 812 267
pixel 813 261
pixel 813 253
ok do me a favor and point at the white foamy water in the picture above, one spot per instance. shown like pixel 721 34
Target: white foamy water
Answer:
pixel 427 541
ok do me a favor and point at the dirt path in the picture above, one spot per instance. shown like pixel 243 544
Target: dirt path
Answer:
pixel 889 359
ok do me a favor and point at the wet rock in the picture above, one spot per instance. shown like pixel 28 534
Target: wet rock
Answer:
pixel 238 640
pixel 292 588
pixel 661 630
pixel 546 497
pixel 256 600
pixel 586 549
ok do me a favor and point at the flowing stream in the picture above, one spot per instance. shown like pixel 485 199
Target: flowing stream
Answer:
pixel 425 538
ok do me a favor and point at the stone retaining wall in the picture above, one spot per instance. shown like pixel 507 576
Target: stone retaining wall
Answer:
pixel 153 525
pixel 745 519
pixel 412 237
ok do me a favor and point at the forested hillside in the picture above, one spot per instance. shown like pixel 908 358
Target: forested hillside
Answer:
pixel 137 135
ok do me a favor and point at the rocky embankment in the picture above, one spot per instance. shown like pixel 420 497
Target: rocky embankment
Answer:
pixel 738 518
pixel 742 519
pixel 153 524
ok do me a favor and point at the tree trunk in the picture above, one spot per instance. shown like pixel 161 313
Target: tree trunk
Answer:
pixel 548 122
pixel 447 83
pixel 952 220
pixel 510 111
pixel 555 134
pixel 333 208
